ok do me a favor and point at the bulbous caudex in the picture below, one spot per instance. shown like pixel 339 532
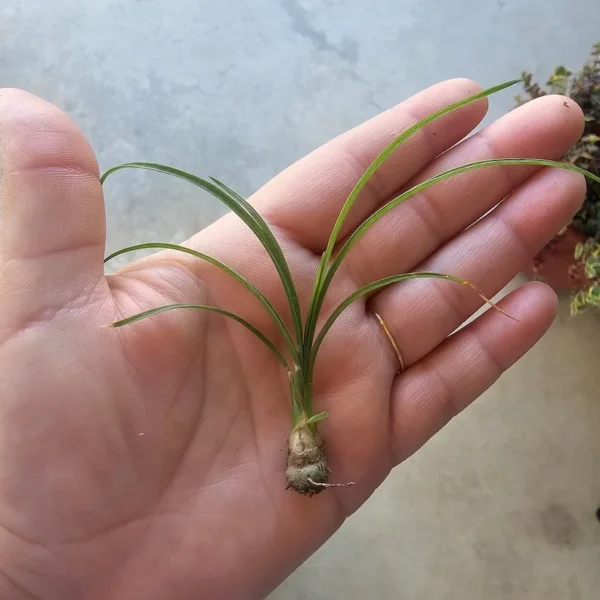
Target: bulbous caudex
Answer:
pixel 307 472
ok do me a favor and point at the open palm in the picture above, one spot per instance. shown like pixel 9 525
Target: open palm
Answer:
pixel 147 461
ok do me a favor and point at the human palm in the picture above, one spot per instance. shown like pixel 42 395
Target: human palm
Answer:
pixel 148 461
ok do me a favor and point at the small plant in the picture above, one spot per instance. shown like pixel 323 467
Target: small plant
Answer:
pixel 307 472
pixel 586 269
pixel 584 88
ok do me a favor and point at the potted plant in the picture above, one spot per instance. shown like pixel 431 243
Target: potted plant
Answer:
pixel 571 261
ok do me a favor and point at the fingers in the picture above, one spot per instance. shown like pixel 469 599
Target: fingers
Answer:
pixel 52 229
pixel 422 313
pixel 306 198
pixel 544 128
pixel 440 386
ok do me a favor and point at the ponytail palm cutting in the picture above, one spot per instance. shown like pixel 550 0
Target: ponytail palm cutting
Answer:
pixel 307 471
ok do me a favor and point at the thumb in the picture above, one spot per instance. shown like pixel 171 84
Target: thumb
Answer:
pixel 52 222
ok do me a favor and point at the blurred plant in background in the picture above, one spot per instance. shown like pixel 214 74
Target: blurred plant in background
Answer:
pixel 587 270
pixel 572 259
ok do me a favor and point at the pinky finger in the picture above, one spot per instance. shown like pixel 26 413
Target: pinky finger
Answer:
pixel 465 365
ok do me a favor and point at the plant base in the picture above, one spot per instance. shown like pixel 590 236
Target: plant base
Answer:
pixel 307 471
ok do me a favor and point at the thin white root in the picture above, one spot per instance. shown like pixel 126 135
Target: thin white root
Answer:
pixel 330 485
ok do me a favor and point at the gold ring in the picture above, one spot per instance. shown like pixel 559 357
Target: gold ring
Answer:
pixel 392 341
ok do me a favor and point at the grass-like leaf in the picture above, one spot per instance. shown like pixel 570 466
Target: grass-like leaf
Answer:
pixel 360 231
pixel 248 214
pixel 217 263
pixel 156 311
pixel 377 285
pixel 320 287
pixel 278 258
pixel 317 418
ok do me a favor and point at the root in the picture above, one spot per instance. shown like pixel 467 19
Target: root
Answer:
pixel 328 485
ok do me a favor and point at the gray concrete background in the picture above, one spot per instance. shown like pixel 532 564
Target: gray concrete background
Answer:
pixel 501 504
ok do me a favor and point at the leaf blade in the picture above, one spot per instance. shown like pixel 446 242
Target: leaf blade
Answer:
pixel 286 276
pixel 387 151
pixel 243 209
pixel 169 307
pixel 320 287
pixel 384 282
pixel 317 418
pixel 378 214
pixel 232 272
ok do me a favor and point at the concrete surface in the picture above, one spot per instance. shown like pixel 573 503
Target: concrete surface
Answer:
pixel 501 504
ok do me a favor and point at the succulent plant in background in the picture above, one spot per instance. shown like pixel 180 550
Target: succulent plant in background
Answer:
pixel 570 260
pixel 296 350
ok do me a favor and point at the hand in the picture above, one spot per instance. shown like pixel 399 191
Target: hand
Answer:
pixel 147 462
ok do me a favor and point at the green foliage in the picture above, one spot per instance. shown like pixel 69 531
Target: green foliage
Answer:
pixel 161 309
pixel 303 352
pixel 588 255
pixel 584 88
pixel 325 273
pixel 217 263
pixel 243 209
pixel 316 418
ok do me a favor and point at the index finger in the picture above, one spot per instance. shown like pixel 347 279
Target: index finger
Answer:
pixel 305 199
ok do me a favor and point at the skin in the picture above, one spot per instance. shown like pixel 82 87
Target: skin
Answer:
pixel 147 462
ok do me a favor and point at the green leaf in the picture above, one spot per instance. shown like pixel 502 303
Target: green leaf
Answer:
pixel 593 295
pixel 560 72
pixel 247 213
pixel 371 220
pixel 217 263
pixel 590 139
pixel 316 418
pixel 592 268
pixel 279 258
pixel 319 288
pixel 578 251
pixel 578 304
pixel 377 285
pixel 156 311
